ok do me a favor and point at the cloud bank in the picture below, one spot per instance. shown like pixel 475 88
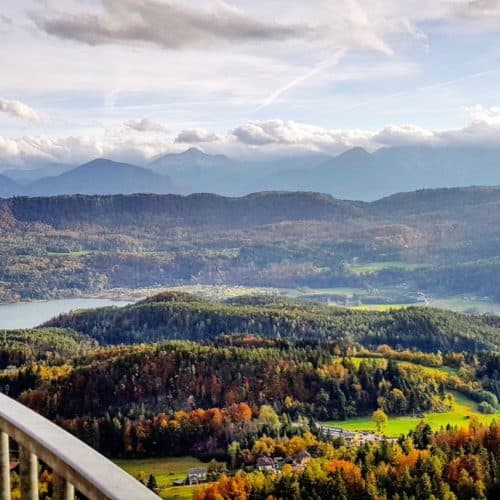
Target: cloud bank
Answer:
pixel 264 138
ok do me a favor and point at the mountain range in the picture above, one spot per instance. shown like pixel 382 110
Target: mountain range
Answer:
pixel 354 174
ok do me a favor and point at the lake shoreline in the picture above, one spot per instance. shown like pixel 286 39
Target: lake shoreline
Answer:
pixel 27 315
pixel 116 294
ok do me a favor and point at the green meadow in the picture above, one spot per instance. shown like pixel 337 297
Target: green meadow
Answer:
pixel 166 471
pixel 375 267
pixel 463 410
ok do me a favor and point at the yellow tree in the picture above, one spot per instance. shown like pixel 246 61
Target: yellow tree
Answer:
pixel 380 419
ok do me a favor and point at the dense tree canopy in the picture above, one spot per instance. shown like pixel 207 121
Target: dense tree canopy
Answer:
pixel 180 316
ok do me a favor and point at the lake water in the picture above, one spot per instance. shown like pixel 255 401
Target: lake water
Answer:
pixel 30 314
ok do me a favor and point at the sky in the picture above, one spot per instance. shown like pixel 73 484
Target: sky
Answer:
pixel 133 79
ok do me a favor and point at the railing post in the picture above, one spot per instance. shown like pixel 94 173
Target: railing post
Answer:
pixel 28 469
pixel 63 490
pixel 84 470
pixel 4 467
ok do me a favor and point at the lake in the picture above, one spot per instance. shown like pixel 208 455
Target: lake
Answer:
pixel 30 314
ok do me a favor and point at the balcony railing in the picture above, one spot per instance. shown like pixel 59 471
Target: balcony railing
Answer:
pixel 76 466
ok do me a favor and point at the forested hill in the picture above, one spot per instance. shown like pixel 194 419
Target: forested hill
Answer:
pixel 433 243
pixel 253 209
pixel 436 200
pixel 196 209
pixel 174 316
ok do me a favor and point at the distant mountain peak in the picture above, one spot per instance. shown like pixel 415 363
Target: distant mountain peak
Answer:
pixel 105 162
pixel 102 176
pixel 192 157
pixel 193 151
pixel 355 153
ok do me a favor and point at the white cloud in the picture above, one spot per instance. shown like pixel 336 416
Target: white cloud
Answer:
pixel 404 135
pixel 482 131
pixel 170 25
pixel 145 125
pixel 308 137
pixel 30 150
pixel 19 110
pixel 261 138
pixel 197 135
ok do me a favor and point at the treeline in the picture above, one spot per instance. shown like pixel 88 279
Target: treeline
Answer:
pixel 183 376
pixel 196 209
pixel 163 318
pixel 205 433
pixel 48 345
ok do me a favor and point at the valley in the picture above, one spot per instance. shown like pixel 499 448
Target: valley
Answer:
pixel 423 247
pixel 217 336
pixel 177 386
pixel 250 250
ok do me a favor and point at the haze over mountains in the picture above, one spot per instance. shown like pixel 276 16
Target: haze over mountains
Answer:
pixel 355 174
pixel 102 177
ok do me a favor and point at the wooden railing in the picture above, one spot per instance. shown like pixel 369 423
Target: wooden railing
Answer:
pixel 76 467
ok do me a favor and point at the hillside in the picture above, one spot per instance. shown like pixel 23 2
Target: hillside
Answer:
pixel 8 187
pixel 187 318
pixel 196 209
pixel 400 249
pixel 437 200
pixel 52 345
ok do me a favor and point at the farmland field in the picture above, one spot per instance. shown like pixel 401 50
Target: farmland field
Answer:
pixel 380 307
pixel 459 416
pixel 382 362
pixel 375 267
pixel 166 471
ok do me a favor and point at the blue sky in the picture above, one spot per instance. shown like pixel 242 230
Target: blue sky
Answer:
pixel 131 79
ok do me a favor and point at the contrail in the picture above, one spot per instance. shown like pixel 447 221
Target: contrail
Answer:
pixel 430 86
pixel 333 61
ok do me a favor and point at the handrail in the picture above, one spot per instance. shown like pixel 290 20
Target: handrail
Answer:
pixel 79 465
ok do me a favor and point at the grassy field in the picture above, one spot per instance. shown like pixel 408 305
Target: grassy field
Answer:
pixel 380 307
pixel 464 409
pixel 375 267
pixel 382 362
pixel 166 471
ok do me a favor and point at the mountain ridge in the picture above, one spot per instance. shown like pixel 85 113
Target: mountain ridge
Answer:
pixel 355 174
pixel 265 207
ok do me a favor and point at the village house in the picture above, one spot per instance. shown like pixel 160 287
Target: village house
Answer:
pixel 352 438
pixel 196 476
pixel 299 461
pixel 301 458
pixel 267 464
